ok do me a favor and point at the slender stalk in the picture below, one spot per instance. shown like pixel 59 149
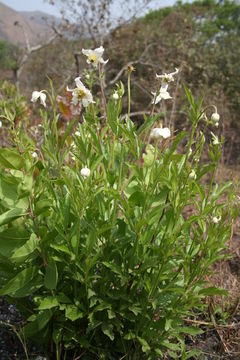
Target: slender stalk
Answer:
pixel 102 92
pixel 129 93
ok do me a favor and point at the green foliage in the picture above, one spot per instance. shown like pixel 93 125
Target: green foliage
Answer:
pixel 8 56
pixel 109 264
pixel 13 110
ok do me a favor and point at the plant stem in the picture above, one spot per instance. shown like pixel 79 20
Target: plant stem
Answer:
pixel 102 91
pixel 129 93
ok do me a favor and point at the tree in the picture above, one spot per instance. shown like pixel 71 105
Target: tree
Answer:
pixel 9 55
pixel 94 19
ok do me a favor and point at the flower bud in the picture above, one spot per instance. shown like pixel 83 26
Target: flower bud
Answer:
pixel 85 172
pixel 77 133
pixel 215 117
pixel 115 95
pixel 34 155
pixel 216 219
pixel 192 175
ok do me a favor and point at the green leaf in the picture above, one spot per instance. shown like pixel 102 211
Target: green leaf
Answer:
pixel 112 115
pixel 48 303
pixel 148 122
pixel 11 239
pixel 9 193
pixel 111 314
pixel 25 187
pixel 192 354
pixel 10 159
pixel 57 334
pixel 42 205
pixel 137 198
pixel 170 346
pixel 19 281
pixel 11 215
pixel 73 313
pixel 135 309
pixel 213 291
pixel 24 251
pixel 145 346
pixel 190 330
pixel 38 323
pixel 217 191
pixel 51 276
pixel 107 329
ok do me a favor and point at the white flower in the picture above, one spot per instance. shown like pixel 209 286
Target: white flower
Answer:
pixel 94 56
pixel 216 219
pixel 215 140
pixel 87 76
pixel 192 175
pixel 39 95
pixel 166 78
pixel 0 124
pixel 85 172
pixel 215 117
pixel 163 94
pixel 81 95
pixel 34 155
pixel 77 133
pixel 115 95
pixel 158 133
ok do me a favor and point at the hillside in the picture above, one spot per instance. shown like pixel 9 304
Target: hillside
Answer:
pixel 33 23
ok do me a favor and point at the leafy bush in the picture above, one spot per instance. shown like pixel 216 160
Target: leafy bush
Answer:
pixel 97 247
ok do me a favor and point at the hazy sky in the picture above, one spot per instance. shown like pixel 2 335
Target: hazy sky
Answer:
pixel 31 5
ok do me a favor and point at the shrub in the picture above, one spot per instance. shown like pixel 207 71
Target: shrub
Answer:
pixel 97 248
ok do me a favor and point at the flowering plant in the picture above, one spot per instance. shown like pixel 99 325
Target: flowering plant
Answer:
pixel 96 246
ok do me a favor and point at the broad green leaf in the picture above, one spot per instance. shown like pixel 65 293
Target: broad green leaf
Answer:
pixel 137 198
pixel 19 281
pixel 145 346
pixel 51 276
pixel 111 314
pixel 135 309
pixel 10 159
pixel 24 251
pixel 42 205
pixel 11 215
pixel 38 324
pixel 107 329
pixel 9 196
pixel 48 303
pixel 73 313
pixel 57 334
pixel 11 239
pixel 25 187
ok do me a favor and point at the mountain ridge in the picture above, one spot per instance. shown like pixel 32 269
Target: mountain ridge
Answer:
pixel 36 24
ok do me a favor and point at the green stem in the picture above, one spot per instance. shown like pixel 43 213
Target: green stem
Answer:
pixel 102 92
pixel 129 93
